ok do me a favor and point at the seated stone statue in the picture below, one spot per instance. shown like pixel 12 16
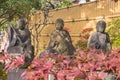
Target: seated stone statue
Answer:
pixel 100 40
pixel 60 40
pixel 20 41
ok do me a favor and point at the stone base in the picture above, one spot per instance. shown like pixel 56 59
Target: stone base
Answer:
pixel 51 77
pixel 15 74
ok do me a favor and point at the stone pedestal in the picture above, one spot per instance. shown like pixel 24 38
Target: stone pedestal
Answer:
pixel 51 77
pixel 15 74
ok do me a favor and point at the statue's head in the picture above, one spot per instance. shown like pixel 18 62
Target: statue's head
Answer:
pixel 21 24
pixel 101 26
pixel 59 24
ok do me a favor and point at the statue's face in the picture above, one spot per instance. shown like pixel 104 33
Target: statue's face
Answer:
pixel 101 26
pixel 21 24
pixel 59 24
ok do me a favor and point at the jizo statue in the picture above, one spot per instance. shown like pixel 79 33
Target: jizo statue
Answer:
pixel 60 40
pixel 20 41
pixel 100 39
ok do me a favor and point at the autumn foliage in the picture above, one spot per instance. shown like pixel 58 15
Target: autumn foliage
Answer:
pixel 87 65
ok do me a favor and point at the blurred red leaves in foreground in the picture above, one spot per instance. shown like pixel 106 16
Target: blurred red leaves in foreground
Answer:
pixel 86 65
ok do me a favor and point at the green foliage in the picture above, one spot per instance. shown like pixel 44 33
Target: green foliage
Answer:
pixel 82 45
pixel 114 32
pixel 13 9
pixel 3 74
pixel 17 8
pixel 64 3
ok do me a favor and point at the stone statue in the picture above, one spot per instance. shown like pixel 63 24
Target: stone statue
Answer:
pixel 60 40
pixel 100 39
pixel 20 41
